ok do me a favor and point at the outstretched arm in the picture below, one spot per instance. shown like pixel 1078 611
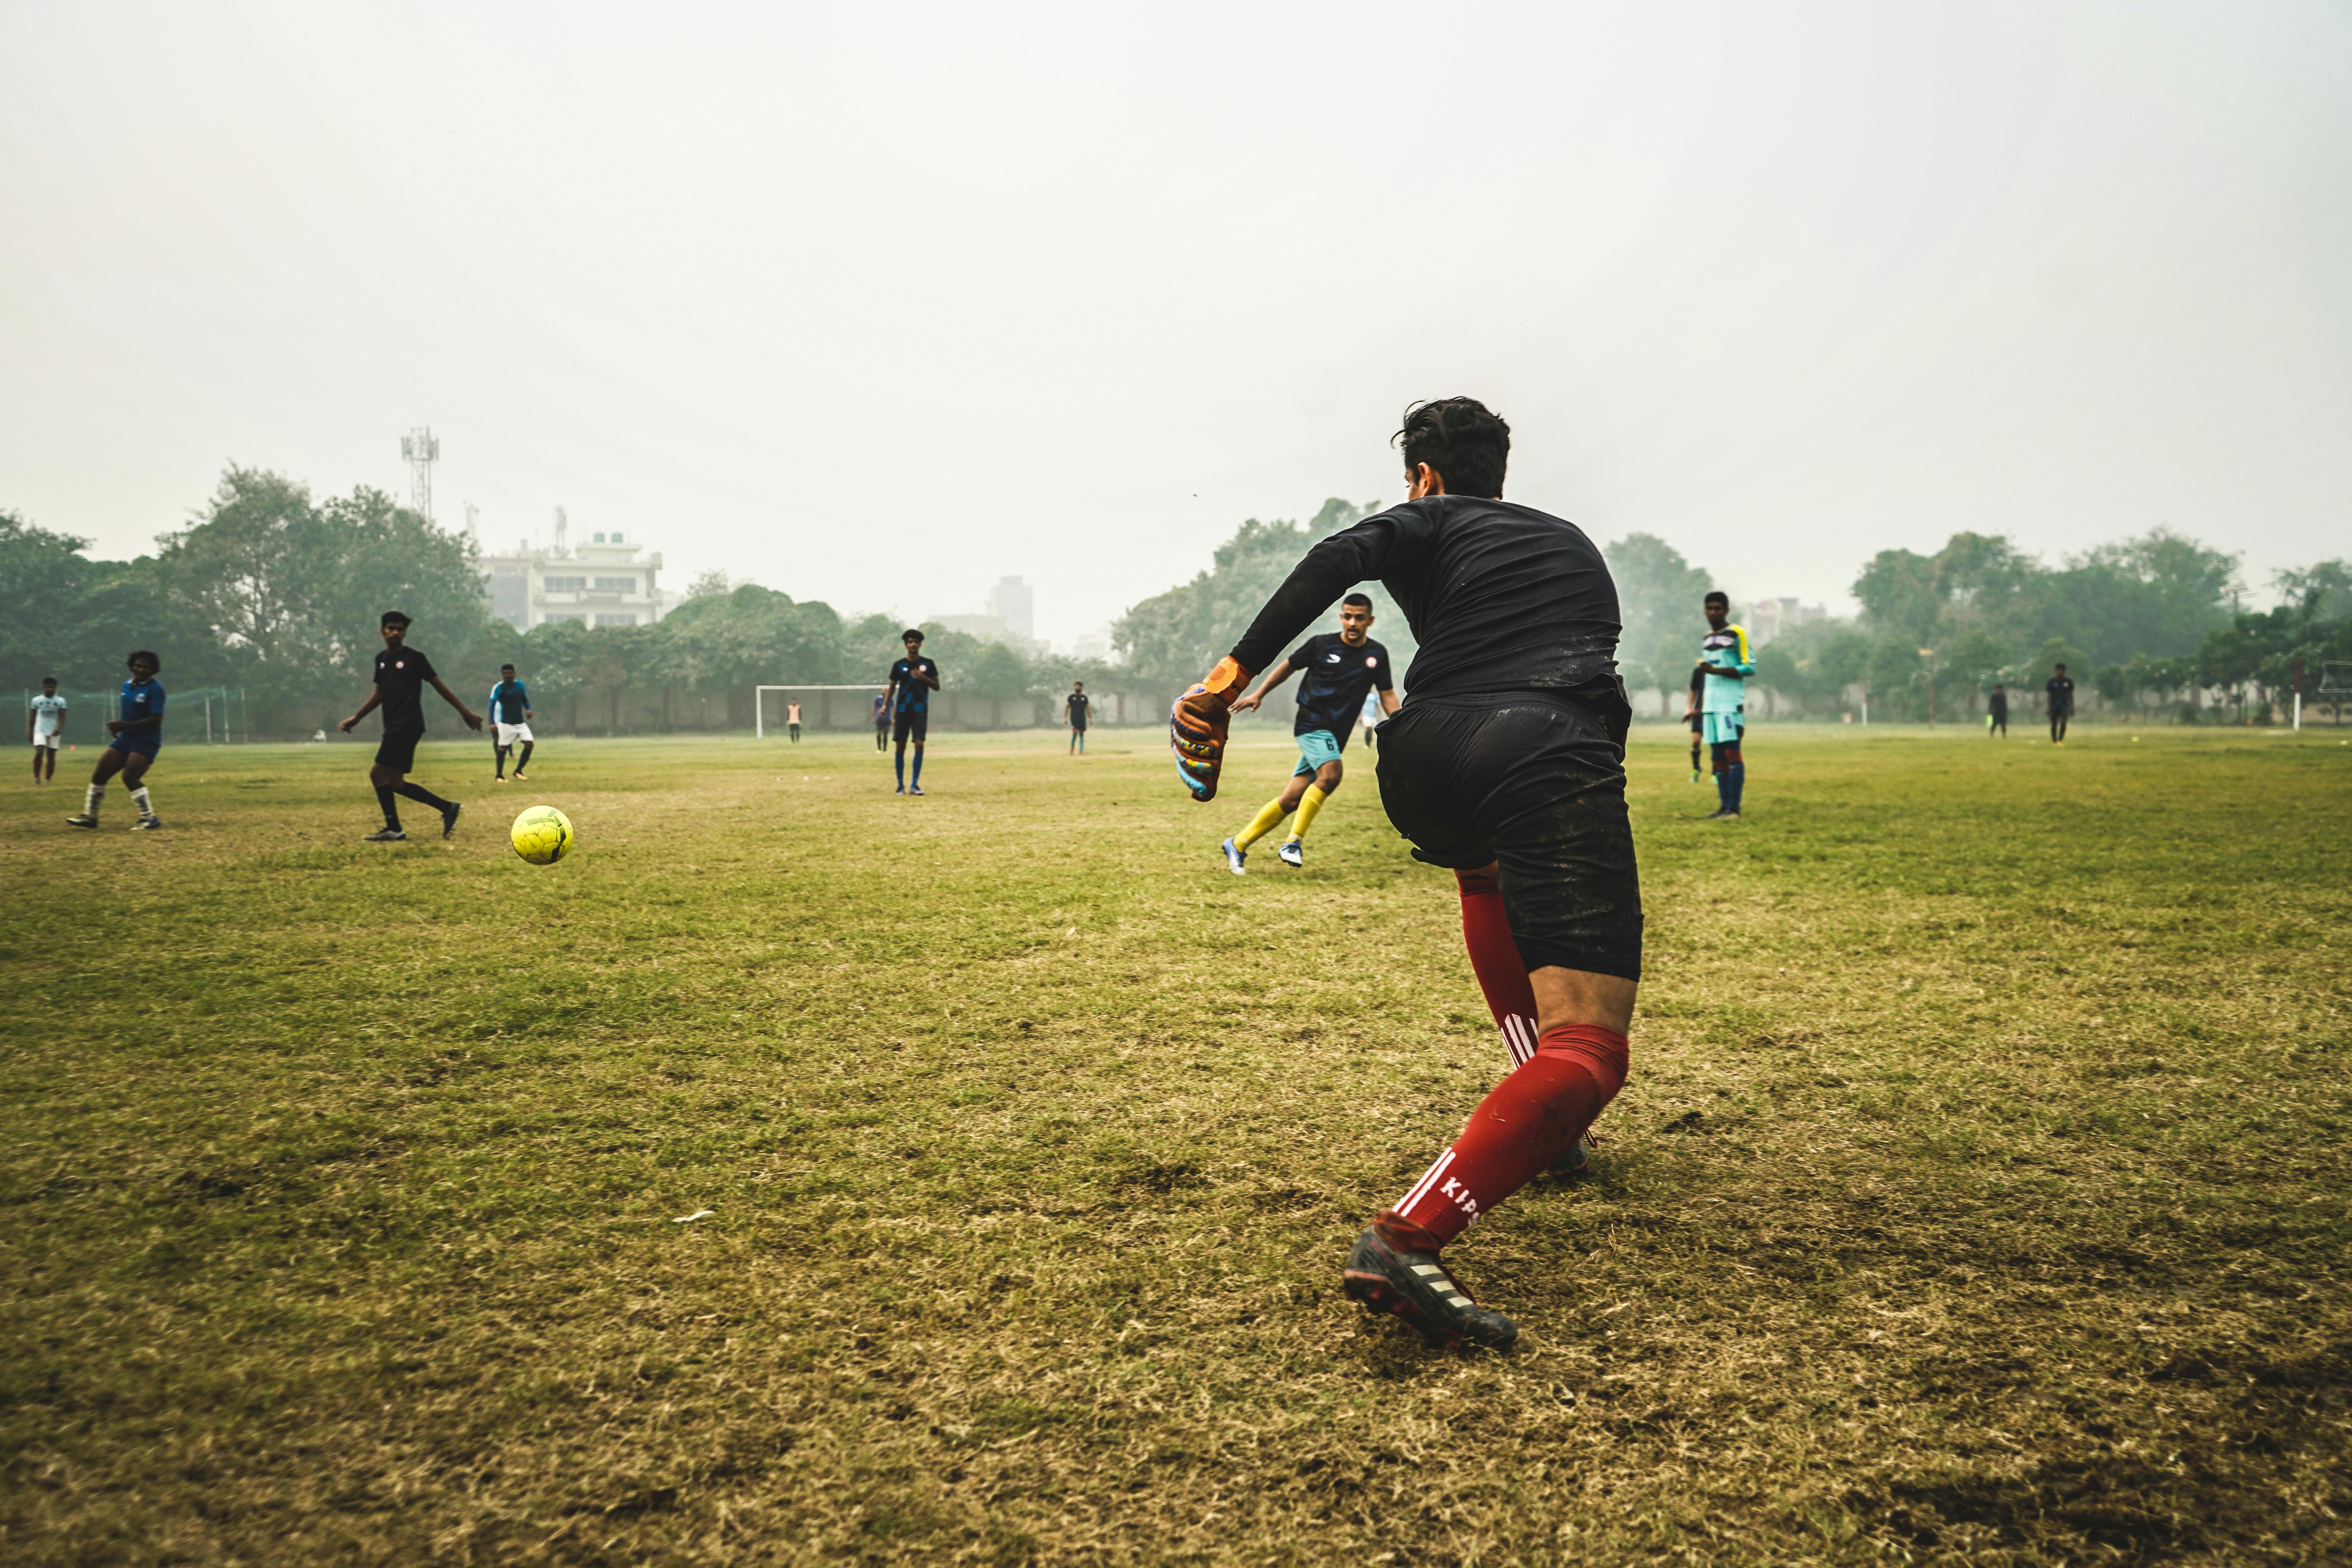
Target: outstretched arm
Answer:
pixel 1273 678
pixel 473 720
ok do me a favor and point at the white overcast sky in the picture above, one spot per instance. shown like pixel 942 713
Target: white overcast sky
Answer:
pixel 877 303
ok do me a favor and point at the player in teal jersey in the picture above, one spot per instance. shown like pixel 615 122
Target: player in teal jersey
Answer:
pixel 1727 664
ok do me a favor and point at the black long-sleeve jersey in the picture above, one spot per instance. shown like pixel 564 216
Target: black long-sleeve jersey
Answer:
pixel 1502 598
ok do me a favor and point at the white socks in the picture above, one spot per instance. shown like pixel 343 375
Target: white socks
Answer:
pixel 139 799
pixel 89 803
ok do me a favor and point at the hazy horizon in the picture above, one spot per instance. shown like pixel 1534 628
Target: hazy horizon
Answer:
pixel 878 307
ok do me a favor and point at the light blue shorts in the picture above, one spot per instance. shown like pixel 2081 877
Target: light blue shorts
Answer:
pixel 1723 729
pixel 1315 747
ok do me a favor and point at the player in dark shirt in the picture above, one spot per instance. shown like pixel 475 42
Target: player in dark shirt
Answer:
pixel 510 715
pixel 882 722
pixel 1507 765
pixel 134 737
pixel 2059 696
pixel 1337 670
pixel 1075 707
pixel 912 680
pixel 1997 711
pixel 402 673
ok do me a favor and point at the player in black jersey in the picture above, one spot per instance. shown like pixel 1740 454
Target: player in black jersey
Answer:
pixel 1337 670
pixel 402 673
pixel 1075 707
pixel 1506 763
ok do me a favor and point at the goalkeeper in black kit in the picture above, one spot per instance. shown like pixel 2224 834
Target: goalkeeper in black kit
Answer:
pixel 1504 764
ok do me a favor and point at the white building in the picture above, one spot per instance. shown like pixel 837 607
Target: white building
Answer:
pixel 1015 603
pixel 606 581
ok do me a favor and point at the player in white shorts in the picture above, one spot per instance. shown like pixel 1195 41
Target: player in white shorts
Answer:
pixel 45 721
pixel 509 721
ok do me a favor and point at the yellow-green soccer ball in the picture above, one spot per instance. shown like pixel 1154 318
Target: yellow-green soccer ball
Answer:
pixel 542 835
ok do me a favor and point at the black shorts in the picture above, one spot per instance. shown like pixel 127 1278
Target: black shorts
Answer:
pixel 1535 782
pixel 398 752
pixel 912 724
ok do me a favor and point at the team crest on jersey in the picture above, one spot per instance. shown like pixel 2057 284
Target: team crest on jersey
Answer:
pixel 1371 663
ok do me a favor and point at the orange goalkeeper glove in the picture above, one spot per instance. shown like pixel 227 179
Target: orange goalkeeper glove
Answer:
pixel 1196 727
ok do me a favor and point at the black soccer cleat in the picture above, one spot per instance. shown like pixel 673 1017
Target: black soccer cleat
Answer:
pixel 449 821
pixel 1393 1268
pixel 385 836
pixel 147 825
pixel 81 819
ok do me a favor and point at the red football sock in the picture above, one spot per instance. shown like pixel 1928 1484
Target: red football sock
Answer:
pixel 1531 1119
pixel 1494 960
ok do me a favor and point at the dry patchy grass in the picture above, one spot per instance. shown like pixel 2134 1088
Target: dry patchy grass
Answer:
pixel 1980 1195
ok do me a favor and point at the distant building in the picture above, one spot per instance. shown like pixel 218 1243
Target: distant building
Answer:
pixel 1768 618
pixel 606 581
pixel 1096 644
pixel 987 628
pixel 1015 603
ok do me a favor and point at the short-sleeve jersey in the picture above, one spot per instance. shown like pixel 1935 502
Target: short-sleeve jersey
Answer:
pixel 1334 679
pixel 2061 688
pixel 881 708
pixel 141 699
pixel 508 701
pixel 1726 649
pixel 48 715
pixel 914 696
pixel 1078 702
pixel 400 677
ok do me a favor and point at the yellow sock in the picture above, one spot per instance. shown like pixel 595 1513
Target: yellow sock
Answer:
pixel 1260 825
pixel 1308 805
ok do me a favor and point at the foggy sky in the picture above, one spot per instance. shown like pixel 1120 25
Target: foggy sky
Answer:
pixel 874 304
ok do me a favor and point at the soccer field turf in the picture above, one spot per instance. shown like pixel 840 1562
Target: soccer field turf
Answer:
pixel 1980 1191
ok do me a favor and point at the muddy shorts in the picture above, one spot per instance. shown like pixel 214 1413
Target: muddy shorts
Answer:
pixel 1535 782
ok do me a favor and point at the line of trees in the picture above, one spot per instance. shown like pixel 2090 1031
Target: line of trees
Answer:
pixel 276 592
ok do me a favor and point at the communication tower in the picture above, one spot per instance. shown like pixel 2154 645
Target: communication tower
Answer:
pixel 420 450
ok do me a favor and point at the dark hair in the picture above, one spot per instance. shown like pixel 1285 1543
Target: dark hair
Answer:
pixel 1363 599
pixel 1467 443
pixel 139 653
pixel 1080 684
pixel 2062 664
pixel 911 632
pixel 1716 595
pixel 393 618
pixel 506 667
pixel 49 681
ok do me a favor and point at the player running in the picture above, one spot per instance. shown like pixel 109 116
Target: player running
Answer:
pixel 401 675
pixel 137 733
pixel 1371 716
pixel 1724 663
pixel 912 680
pixel 45 724
pixel 511 712
pixel 2060 700
pixel 1506 764
pixel 1074 709
pixel 1341 669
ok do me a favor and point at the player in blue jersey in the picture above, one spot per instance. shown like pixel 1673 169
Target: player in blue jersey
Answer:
pixel 402 673
pixel 137 733
pixel 1337 671
pixel 1725 664
pixel 912 680
pixel 510 713
pixel 45 725
pixel 882 723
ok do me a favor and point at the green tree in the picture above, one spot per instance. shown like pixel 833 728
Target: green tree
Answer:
pixel 1660 605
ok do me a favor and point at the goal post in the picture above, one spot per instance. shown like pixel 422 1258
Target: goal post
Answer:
pixel 760 704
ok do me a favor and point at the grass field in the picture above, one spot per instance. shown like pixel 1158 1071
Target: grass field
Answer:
pixel 1980 1195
